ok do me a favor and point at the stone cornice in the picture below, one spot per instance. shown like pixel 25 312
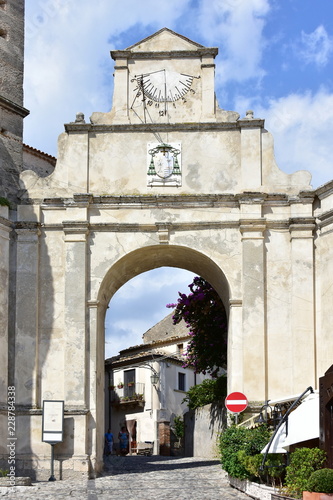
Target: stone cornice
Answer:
pixel 29 410
pixel 6 224
pixel 176 201
pixel 165 54
pixel 245 225
pixel 75 229
pixel 12 106
pixel 326 218
pixel 164 127
pixel 324 190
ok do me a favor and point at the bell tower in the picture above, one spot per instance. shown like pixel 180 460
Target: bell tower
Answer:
pixel 12 111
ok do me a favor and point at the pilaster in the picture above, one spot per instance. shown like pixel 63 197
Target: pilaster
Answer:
pixel 121 90
pixel 254 324
pixel 235 347
pixel 5 229
pixel 95 381
pixel 75 237
pixel 251 152
pixel 207 85
pixel 302 304
pixel 27 305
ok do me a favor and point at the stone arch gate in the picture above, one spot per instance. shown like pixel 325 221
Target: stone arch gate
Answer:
pixel 168 180
pixel 137 262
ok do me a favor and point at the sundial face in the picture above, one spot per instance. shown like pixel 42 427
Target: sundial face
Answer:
pixel 157 94
pixel 165 85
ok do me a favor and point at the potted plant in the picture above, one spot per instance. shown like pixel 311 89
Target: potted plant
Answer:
pixel 112 387
pixel 320 485
pixel 120 385
pixel 130 384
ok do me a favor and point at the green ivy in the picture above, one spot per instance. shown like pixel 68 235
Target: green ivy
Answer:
pixel 178 427
pixel 4 202
pixel 209 391
pixel 303 462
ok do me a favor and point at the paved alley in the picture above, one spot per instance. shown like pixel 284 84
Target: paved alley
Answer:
pixel 139 478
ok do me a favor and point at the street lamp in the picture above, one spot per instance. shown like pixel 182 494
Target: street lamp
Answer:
pixel 275 414
pixel 154 378
pixel 263 419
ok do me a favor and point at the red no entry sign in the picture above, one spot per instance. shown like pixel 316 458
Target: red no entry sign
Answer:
pixel 236 402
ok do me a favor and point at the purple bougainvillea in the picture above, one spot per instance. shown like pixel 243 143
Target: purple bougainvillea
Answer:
pixel 204 315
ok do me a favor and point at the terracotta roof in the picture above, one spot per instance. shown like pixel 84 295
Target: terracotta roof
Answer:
pixel 140 357
pixel 164 333
pixel 41 154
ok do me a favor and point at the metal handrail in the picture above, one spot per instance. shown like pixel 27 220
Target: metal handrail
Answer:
pixel 282 421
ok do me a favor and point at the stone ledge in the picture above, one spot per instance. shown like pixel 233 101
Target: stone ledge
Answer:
pixel 254 490
pixel 19 481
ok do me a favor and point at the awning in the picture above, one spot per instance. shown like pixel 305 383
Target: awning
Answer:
pixel 303 425
pixel 278 441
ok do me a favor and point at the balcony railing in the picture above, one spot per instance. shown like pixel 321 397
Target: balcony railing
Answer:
pixel 129 393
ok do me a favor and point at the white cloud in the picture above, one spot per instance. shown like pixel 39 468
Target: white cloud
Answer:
pixel 68 67
pixel 302 128
pixel 140 304
pixel 237 27
pixel 316 47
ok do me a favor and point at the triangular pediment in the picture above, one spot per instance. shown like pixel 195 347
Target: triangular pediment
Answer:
pixel 164 40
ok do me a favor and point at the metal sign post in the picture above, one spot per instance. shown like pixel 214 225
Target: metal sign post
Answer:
pixel 53 427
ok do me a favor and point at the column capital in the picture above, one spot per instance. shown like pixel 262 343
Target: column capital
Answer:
pixel 252 229
pixel 302 228
pixel 235 302
pixel 27 231
pixel 75 230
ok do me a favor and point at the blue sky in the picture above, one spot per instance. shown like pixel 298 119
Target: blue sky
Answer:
pixel 275 57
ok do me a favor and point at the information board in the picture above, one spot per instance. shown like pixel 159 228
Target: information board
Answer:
pixel 53 421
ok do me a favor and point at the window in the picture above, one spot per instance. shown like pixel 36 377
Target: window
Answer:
pixel 181 381
pixel 180 348
pixel 129 382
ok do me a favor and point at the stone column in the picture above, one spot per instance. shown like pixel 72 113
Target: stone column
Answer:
pixel 75 380
pixel 254 327
pixel 302 305
pixel 26 336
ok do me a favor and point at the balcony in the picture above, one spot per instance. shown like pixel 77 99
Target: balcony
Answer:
pixel 128 395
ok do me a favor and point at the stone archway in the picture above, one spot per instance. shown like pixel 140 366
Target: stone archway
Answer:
pixel 126 268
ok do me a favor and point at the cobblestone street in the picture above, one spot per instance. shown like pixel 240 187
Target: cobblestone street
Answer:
pixel 139 478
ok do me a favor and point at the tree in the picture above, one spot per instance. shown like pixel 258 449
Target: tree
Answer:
pixel 204 314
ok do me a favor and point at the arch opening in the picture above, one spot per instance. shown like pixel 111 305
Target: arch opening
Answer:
pixel 141 261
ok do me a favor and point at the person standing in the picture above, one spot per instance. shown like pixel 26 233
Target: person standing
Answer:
pixel 108 442
pixel 123 437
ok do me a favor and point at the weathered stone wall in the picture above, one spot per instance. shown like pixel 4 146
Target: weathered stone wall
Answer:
pixel 11 97
pixel 12 50
pixel 202 429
